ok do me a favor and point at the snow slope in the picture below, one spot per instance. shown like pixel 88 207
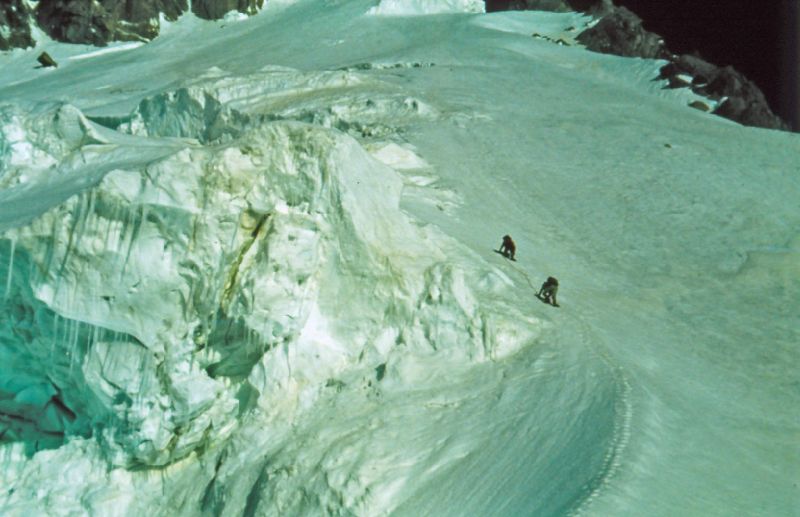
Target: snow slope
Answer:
pixel 248 269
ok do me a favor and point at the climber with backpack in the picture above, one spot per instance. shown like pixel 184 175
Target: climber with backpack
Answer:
pixel 508 248
pixel 547 293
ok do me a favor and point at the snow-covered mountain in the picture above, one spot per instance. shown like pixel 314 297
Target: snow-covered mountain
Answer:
pixel 249 269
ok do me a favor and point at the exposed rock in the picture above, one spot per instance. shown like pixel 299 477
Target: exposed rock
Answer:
pixel 750 112
pixel 15 31
pixel 74 21
pixel 45 60
pixel 99 22
pixel 559 41
pixel 621 33
pixel 596 8
pixel 619 30
pixel 741 100
pixel 697 66
pixel 699 105
pixel 728 82
pixel 215 9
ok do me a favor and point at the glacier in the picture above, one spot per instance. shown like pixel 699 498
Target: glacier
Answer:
pixel 248 269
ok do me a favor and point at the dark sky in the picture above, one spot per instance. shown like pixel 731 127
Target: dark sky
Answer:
pixel 758 38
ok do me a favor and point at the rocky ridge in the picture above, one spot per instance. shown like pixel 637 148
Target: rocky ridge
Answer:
pixel 617 30
pixel 103 21
pixel 15 30
pixel 736 97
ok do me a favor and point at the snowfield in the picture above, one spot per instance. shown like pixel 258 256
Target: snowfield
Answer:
pixel 249 269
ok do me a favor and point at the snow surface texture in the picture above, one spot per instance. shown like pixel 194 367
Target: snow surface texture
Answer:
pixel 420 7
pixel 244 278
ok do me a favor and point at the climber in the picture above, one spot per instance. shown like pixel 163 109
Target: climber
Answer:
pixel 548 291
pixel 508 248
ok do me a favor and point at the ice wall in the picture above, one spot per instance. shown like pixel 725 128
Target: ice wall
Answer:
pixel 225 265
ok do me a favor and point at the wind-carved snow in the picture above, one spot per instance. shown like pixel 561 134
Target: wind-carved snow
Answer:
pixel 422 7
pixel 217 107
pixel 118 47
pixel 552 26
pixel 145 316
pixel 421 183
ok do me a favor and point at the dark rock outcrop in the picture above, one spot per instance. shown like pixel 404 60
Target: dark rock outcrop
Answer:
pixel 618 32
pixel 46 60
pixel 215 9
pixel 596 8
pixel 621 33
pixel 99 22
pixel 699 105
pixel 742 100
pixel 15 31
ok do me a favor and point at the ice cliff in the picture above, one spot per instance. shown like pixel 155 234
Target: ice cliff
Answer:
pixel 213 263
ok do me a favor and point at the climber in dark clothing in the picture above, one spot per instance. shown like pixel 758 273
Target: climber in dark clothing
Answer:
pixel 548 291
pixel 508 248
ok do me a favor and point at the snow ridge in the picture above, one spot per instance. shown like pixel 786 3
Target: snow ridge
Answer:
pixel 423 7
